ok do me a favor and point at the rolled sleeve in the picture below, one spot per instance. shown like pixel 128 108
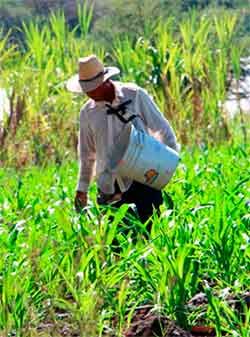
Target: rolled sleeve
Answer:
pixel 87 153
pixel 156 123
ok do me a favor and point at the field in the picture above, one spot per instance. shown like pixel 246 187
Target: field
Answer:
pixel 69 274
pixel 60 273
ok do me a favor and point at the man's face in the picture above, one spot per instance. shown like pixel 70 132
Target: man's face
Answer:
pixel 105 92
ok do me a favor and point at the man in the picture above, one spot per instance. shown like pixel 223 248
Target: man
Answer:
pixel 101 122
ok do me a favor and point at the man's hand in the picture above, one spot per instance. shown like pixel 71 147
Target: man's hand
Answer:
pixel 80 200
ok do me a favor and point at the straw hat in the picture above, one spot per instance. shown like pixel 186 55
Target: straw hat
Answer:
pixel 91 74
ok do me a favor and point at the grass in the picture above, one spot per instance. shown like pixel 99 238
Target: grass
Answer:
pixel 59 272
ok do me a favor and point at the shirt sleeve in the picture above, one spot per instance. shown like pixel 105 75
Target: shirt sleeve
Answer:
pixel 87 153
pixel 157 125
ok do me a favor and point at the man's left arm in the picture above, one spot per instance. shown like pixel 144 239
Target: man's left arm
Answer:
pixel 156 123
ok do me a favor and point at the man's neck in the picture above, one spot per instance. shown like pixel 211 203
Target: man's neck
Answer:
pixel 111 93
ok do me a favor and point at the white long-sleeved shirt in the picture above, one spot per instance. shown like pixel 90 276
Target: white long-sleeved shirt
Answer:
pixel 99 131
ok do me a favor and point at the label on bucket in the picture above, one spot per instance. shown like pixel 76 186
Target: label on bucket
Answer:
pixel 150 176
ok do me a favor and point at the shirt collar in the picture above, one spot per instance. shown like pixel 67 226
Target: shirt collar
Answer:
pixel 118 97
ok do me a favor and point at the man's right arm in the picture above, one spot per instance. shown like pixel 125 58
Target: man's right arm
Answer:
pixel 87 155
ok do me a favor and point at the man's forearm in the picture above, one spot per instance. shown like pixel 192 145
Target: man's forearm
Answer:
pixel 85 174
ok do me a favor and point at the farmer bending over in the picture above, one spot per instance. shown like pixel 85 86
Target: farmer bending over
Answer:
pixel 101 122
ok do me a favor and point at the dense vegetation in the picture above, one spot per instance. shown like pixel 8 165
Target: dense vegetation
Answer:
pixel 113 17
pixel 59 272
pixel 186 66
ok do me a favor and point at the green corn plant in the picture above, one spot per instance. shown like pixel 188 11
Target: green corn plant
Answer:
pixel 7 52
pixel 85 17
pixel 84 304
pixel 195 49
pixel 59 39
pixel 14 301
pixel 36 39
pixel 133 59
pixel 122 48
pixel 236 320
pixel 213 303
pixel 225 28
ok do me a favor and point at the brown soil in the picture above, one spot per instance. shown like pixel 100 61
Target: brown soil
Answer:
pixel 147 323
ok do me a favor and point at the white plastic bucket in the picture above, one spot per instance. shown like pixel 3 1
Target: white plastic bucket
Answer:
pixel 142 158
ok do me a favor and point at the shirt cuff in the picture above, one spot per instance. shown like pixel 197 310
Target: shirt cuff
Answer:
pixel 82 186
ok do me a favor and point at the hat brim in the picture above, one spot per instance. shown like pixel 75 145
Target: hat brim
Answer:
pixel 74 85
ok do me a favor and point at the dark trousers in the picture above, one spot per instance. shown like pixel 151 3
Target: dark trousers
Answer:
pixel 144 197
